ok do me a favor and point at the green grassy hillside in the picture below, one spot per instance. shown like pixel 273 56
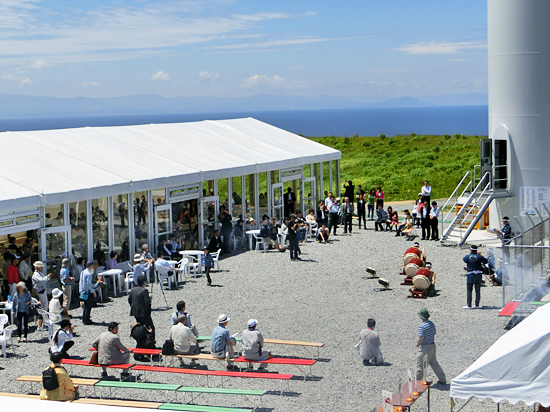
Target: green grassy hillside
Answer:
pixel 401 163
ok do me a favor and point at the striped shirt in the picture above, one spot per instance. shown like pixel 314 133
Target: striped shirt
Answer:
pixel 208 261
pixel 427 330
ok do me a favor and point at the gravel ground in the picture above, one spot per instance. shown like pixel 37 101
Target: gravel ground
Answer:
pixel 327 297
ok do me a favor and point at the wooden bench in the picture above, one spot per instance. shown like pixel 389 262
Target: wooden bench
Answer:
pixel 19 395
pixel 198 408
pixel 83 362
pixel 214 373
pixel 116 402
pixel 317 345
pixel 82 383
pixel 137 385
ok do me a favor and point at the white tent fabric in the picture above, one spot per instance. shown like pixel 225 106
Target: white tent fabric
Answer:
pixel 50 167
pixel 10 403
pixel 515 368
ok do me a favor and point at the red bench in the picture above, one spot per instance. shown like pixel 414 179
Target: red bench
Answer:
pixel 509 309
pixel 84 362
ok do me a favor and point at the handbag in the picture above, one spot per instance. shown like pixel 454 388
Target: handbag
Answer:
pixel 94 359
pixel 168 347
pixel 84 296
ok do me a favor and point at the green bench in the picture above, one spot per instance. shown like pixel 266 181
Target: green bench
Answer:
pixel 137 385
pixel 220 391
pixel 197 408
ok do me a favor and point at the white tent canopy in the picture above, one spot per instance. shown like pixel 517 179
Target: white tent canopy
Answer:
pixel 515 368
pixel 50 167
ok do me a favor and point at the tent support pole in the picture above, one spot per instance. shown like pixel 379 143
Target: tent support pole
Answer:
pixel 498 407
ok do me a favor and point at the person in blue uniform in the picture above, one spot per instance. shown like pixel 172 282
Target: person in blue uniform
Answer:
pixel 474 266
pixel 506 236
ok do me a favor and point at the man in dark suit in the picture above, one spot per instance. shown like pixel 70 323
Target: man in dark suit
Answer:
pixel 425 220
pixel 289 201
pixel 322 214
pixel 227 229
pixel 140 304
pixel 215 243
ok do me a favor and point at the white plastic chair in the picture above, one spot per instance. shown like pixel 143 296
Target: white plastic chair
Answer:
pixel 46 321
pixel 216 258
pixel 163 274
pixel 260 242
pixel 312 230
pixel 183 268
pixel 6 337
pixel 128 280
pixel 3 320
pixel 238 241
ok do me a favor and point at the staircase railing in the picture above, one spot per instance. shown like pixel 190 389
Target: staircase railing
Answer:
pixel 457 198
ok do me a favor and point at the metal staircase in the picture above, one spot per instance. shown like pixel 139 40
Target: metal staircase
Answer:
pixel 468 207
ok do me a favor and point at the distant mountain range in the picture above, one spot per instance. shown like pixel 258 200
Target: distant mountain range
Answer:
pixel 16 105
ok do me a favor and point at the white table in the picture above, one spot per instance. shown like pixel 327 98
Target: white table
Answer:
pixel 115 273
pixel 197 254
pixel 251 234
pixel 172 263
pixel 5 309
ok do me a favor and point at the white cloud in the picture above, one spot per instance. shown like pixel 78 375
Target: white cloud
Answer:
pixel 434 47
pixel 10 77
pixel 160 76
pixel 41 64
pixel 279 43
pixel 25 81
pixel 90 84
pixel 274 82
pixel 205 77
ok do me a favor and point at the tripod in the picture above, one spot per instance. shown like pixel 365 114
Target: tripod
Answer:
pixel 160 287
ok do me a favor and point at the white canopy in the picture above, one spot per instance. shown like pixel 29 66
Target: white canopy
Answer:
pixel 58 166
pixel 516 368
pixel 10 403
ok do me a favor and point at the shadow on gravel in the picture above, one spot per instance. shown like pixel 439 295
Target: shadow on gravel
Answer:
pixel 307 378
pixel 285 393
pixel 324 360
pixel 490 307
pixel 265 409
pixel 441 387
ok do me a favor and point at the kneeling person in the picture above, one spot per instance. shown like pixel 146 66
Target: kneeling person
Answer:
pixel 370 345
pixel 185 342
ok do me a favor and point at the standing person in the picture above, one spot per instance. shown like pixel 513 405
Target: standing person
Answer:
pixel 252 343
pixel 25 271
pixel 347 213
pixel 322 214
pixel 379 196
pixel 227 228
pixel 292 237
pixel 333 215
pixel 506 236
pixel 369 342
pixel 221 345
pixel 13 274
pixel 434 222
pixel 65 390
pixel 122 213
pixel 426 347
pixel 208 262
pixel 5 285
pixel 425 219
pixel 349 190
pixel 416 213
pixel 62 340
pixel 87 291
pixel 140 304
pixel 289 199
pixel 67 282
pixel 426 192
pixel 361 208
pixel 371 203
pixel 40 285
pixel 20 308
pixel 185 342
pixel 474 266
pixel 110 351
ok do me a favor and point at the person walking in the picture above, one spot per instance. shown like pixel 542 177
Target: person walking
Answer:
pixel 434 220
pixel 369 342
pixel 208 262
pixel 347 214
pixel 140 304
pixel 474 266
pixel 426 348
pixel 87 291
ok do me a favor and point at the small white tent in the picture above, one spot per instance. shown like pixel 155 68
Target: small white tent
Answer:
pixel 515 368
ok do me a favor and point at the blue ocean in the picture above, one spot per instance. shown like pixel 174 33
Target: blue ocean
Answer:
pixel 469 120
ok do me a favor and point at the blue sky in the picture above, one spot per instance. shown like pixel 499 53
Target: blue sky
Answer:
pixel 365 50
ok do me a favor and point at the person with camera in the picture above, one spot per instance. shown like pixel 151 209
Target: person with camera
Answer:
pixel 293 228
pixel 349 189
pixel 140 304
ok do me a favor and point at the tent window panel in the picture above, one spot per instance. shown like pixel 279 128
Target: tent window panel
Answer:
pixel 100 227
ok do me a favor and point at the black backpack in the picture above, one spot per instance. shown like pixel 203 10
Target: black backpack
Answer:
pixel 168 347
pixel 49 379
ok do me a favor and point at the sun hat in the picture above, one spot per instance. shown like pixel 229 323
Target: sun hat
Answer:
pixel 38 264
pixel 138 257
pixel 252 323
pixel 21 284
pixel 428 264
pixel 223 318
pixel 65 260
pixel 56 293
pixel 424 314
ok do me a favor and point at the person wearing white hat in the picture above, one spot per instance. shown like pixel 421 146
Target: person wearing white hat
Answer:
pixel 55 307
pixel 221 345
pixel 40 286
pixel 253 342
pixel 141 266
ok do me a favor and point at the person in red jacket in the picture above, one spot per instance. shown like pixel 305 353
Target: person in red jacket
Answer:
pixel 13 274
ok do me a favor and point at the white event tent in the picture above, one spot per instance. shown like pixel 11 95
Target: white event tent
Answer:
pixel 85 188
pixel 516 368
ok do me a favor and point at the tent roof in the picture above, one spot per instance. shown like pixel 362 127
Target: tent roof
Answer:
pixel 515 368
pixel 59 166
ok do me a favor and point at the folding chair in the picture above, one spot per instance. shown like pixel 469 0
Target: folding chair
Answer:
pixel 216 258
pixel 260 242
pixel 46 321
pixel 3 320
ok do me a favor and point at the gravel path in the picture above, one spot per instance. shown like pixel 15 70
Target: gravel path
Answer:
pixel 324 298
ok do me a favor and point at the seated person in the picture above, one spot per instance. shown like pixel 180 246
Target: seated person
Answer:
pixel 407 224
pixel 310 218
pixel 394 221
pixel 497 278
pixel 381 219
pixel 431 289
pixel 216 242
pixel 389 219
pixel 163 262
pixel 110 351
pixel 112 263
pixel 253 342
pixel 176 244
pixel 323 234
pixel 221 345
pixel 66 389
pixel 97 280
pixel 62 340
pixel 265 233
pixel 180 310
pixel 370 345
pixel 166 248
pixel 274 227
pixel 238 232
pixel 185 342
pixel 302 225
pixel 141 267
